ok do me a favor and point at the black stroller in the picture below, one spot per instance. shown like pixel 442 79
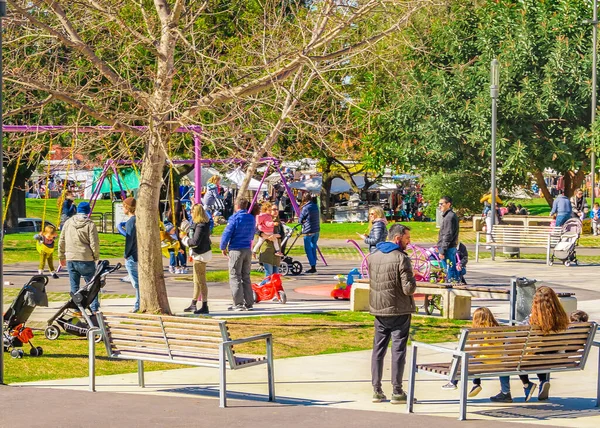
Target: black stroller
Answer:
pixel 16 334
pixel 288 264
pixel 67 317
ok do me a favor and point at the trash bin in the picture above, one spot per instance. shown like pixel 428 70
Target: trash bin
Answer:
pixel 521 298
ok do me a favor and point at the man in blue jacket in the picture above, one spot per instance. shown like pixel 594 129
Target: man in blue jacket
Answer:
pixel 310 221
pixel 236 243
pixel 562 208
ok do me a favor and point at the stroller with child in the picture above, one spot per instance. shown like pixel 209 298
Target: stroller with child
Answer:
pixel 288 264
pixel 68 317
pixel 16 333
pixel 565 247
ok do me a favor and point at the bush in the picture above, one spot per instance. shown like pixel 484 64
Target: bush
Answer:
pixel 464 188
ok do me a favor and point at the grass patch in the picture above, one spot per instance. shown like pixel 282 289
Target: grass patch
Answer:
pixel 293 336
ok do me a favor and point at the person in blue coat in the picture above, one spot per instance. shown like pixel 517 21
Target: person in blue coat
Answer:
pixel 377 228
pixel 310 221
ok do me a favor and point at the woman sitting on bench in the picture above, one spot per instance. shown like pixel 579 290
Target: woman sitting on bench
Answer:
pixel 548 315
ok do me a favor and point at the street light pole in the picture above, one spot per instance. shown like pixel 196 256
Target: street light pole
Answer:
pixel 2 15
pixel 494 82
pixel 594 64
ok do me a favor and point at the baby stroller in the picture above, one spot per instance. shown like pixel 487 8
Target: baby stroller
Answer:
pixel 565 248
pixel 288 264
pixel 66 317
pixel 16 334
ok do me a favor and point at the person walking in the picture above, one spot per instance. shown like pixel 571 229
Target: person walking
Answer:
pixel 79 248
pixel 198 241
pixel 392 285
pixel 448 238
pixel 68 208
pixel 236 243
pixel 561 208
pixel 131 250
pixel 309 218
pixel 268 256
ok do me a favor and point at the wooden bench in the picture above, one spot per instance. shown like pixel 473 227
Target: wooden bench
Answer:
pixel 520 237
pixel 506 351
pixel 178 340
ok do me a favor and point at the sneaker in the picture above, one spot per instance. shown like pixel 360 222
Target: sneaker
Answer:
pixel 279 254
pixel 134 311
pixel 544 391
pixel 126 279
pixel 237 308
pixel 184 270
pixel 378 396
pixel 529 390
pixel 475 390
pixel 502 398
pixel 449 385
pixel 55 275
pixel 171 269
pixel 398 398
pixel 312 270
pixel 40 272
pixel 249 308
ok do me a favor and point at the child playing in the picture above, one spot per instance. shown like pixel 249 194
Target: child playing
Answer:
pixel 46 249
pixel 266 225
pixel 482 317
pixel 595 216
pixel 170 241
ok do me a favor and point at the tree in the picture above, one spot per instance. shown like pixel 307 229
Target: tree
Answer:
pixel 170 63
pixel 441 120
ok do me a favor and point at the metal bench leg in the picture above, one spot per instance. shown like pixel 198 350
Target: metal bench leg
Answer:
pixel 141 382
pixel 464 384
pixel 477 248
pixel 412 374
pixel 222 377
pixel 270 369
pixel 92 357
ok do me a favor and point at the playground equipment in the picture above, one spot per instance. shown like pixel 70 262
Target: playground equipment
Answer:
pixel 364 268
pixel 268 289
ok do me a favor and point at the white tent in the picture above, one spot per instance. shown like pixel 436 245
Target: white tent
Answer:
pixel 338 185
pixel 312 185
pixel 206 172
pixel 236 177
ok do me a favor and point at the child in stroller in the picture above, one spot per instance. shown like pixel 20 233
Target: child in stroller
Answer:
pixel 565 248
pixel 16 334
pixel 66 316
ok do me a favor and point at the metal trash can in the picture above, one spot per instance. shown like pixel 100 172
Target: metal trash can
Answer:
pixel 521 298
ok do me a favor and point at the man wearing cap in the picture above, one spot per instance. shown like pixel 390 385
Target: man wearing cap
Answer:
pixel 131 256
pixel 79 246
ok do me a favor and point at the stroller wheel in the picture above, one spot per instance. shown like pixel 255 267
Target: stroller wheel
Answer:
pixel 40 351
pixel 567 263
pixel 296 268
pixel 17 353
pixel 52 332
pixel 34 352
pixel 98 338
pixel 551 262
pixel 284 268
pixel 282 297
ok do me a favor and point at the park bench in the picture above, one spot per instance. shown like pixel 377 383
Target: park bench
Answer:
pixel 178 340
pixel 520 237
pixel 505 351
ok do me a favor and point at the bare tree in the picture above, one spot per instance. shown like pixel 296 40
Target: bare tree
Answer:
pixel 171 63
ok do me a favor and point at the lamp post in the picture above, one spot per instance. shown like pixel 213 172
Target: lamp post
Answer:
pixel 2 15
pixel 594 23
pixel 494 81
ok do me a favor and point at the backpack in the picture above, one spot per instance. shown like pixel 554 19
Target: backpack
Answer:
pixel 462 252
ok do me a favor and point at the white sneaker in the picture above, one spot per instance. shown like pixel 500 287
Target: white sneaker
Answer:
pixel 171 269
pixel 178 271
pixel 184 270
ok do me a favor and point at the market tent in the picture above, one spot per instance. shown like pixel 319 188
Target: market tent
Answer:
pixel 312 185
pixel 338 185
pixel 236 177
pixel 128 177
pixel 206 172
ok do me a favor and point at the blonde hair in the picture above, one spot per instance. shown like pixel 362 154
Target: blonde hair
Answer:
pixel 483 317
pixel 214 179
pixel 265 207
pixel 378 211
pixel 546 312
pixel 199 214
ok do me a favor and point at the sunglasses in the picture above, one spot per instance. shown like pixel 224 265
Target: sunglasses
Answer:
pixel 441 204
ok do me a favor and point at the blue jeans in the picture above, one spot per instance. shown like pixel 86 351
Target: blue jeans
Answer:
pixel 270 269
pixel 450 258
pixel 132 269
pixel 177 259
pixel 505 381
pixel 562 218
pixel 310 248
pixel 76 271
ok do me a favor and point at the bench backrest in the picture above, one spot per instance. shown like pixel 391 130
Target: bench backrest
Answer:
pixel 165 338
pixel 525 235
pixel 507 349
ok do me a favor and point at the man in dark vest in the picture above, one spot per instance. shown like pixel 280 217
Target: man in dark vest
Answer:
pixel 391 302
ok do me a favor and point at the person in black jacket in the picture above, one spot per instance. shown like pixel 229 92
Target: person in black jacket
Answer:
pixel 377 228
pixel 198 241
pixel 448 238
pixel 131 251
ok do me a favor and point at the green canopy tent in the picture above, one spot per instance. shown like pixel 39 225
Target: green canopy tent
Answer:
pixel 127 176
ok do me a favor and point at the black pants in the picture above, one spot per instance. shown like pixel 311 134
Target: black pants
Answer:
pixel 397 329
pixel 543 377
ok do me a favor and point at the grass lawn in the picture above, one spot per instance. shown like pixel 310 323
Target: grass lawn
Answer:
pixel 293 336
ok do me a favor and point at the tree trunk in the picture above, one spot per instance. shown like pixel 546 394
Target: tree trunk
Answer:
pixel 539 178
pixel 326 198
pixel 573 181
pixel 16 205
pixel 153 292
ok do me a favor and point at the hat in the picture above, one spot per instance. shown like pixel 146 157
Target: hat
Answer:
pixel 83 208
pixel 130 202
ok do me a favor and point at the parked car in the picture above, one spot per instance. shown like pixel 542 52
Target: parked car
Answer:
pixel 31 224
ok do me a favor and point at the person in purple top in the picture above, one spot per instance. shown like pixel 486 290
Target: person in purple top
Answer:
pixel 236 243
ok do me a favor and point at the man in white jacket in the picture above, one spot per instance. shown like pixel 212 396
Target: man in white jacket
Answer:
pixel 79 246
